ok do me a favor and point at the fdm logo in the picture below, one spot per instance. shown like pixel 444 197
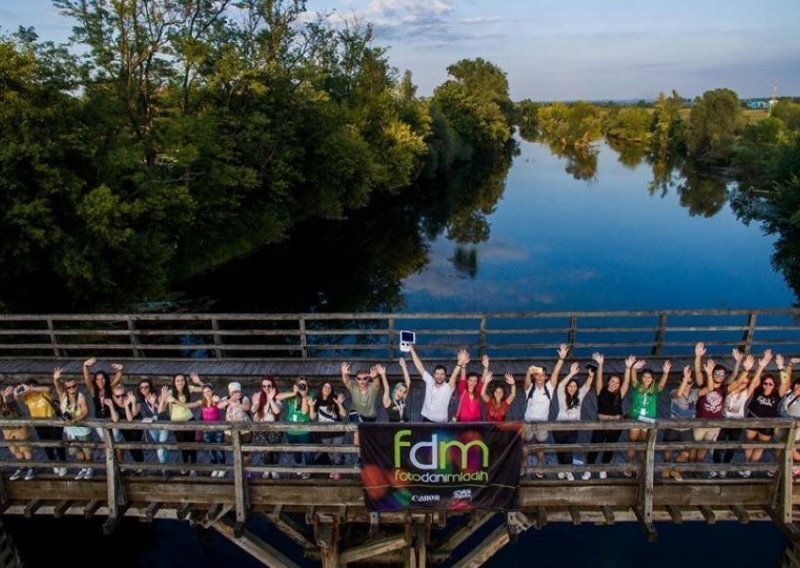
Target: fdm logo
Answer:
pixel 438 451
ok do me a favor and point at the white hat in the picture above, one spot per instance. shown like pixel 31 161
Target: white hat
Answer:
pixel 234 387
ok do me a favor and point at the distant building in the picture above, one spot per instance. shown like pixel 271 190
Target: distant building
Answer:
pixel 757 103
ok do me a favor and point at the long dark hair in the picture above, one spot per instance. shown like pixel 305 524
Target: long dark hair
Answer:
pixel 573 401
pixel 184 391
pixel 259 414
pixel 139 394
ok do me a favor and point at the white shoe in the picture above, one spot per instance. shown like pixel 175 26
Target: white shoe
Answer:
pixel 570 477
pixel 561 475
pixel 80 474
pixel 603 475
pixel 56 470
pixel 305 476
pixel 89 473
pixel 712 474
pixel 586 475
pixel 266 475
pixel 723 474
pixel 276 475
pixel 193 473
pixel 16 475
pixel 30 474
pixel 745 473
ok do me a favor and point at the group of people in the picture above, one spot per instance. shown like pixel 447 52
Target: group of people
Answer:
pixel 707 391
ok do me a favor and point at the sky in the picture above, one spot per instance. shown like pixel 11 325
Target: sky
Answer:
pixel 563 49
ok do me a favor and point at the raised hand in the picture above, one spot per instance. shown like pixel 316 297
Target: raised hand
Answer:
pixel 700 349
pixel 57 372
pixel 794 360
pixel 509 378
pixel 89 362
pixel 574 368
pixel 345 368
pixel 737 355
pixel 164 391
pixel 765 359
pixel 598 358
pixel 402 362
pixel 630 362
pixel 195 378
pixel 709 367
pixel 116 367
pixel 339 399
pixel 687 373
pixel 485 361
pixel 380 369
pixel 779 361
pixel 748 363
pixel 463 357
pixel 8 391
pixel 666 367
pixel 640 364
pixel 373 371
pixel 312 402
pixel 563 350
pixel 129 398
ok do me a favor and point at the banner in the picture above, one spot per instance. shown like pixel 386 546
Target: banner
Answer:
pixel 441 466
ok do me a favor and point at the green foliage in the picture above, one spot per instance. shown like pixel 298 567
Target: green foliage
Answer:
pixel 716 119
pixel 787 112
pixel 631 124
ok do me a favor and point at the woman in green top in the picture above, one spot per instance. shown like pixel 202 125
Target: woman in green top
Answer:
pixel 298 411
pixel 643 397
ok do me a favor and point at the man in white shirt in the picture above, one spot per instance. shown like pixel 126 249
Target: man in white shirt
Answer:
pixel 437 389
pixel 539 393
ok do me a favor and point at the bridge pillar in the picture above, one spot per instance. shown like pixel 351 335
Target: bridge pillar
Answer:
pixel 9 555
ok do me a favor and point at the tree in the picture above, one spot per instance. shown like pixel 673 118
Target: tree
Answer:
pixel 715 120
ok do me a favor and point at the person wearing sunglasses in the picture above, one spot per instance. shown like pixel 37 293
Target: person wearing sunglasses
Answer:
pixel 74 410
pixel 765 396
pixel 734 407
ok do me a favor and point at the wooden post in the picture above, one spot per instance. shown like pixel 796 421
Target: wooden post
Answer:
pixel 786 489
pixel 659 339
pixel 134 341
pixel 372 549
pixel 256 547
pixel 114 485
pixel 303 338
pixel 644 506
pixel 482 337
pixel 53 340
pixel 485 550
pixel 747 338
pixel 240 484
pixel 217 339
pixel 573 331
pixel 391 339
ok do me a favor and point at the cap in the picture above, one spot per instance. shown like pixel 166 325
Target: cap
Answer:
pixel 234 387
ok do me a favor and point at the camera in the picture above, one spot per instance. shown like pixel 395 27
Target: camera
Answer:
pixel 19 390
pixel 66 415
pixel 303 387
pixel 591 366
pixel 407 339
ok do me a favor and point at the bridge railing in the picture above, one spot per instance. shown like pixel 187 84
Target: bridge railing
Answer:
pixel 375 336
pixel 242 471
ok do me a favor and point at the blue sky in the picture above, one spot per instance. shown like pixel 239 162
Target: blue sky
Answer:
pixel 565 49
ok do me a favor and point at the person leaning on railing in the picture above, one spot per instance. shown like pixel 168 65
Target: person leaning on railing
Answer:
pixel 644 399
pixel 40 405
pixel 609 408
pixel 682 406
pixel 74 410
pixel 327 407
pixel 790 405
pixel 154 412
pixel 99 386
pixel 179 398
pixel 21 451
pixel 765 396
pixel 539 393
pixel 237 411
pixel 438 390
pixel 124 408
pixel 469 386
pixel 267 408
pixel 570 395
pixel 298 412
pixel 711 379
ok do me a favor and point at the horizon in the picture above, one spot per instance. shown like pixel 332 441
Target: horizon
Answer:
pixel 578 51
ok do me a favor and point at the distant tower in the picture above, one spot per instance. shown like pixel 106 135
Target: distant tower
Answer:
pixel 774 98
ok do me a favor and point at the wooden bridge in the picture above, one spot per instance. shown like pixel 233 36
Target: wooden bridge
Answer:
pixel 326 518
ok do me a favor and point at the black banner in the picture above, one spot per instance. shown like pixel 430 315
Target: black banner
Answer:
pixel 441 466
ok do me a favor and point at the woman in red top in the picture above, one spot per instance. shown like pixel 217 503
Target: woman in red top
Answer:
pixel 469 386
pixel 498 404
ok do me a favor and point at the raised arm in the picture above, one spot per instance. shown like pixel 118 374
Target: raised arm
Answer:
pixel 460 369
pixel 196 385
pixel 598 359
pixel 685 387
pixel 57 381
pixel 587 384
pixel 406 376
pixel 528 382
pixel 380 371
pixel 163 400
pixel 562 355
pixel 708 368
pixel 117 378
pixel 737 358
pixel 785 377
pixel 665 369
pixel 762 364
pixel 417 361
pixel 131 406
pixel 485 385
pixel 112 410
pixel 699 353
pixel 87 374
pixel 485 364
pixel 513 384
pixel 345 369
pixel 387 400
pixel 630 375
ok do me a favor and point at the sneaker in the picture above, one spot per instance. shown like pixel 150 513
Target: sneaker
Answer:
pixel 193 473
pixel 276 475
pixel 569 476
pixel 676 475
pixel 80 474
pixel 30 474
pixel 266 475
pixel 712 474
pixel 56 470
pixel 603 475
pixel 16 475
pixel 561 475
pixel 305 476
pixel 62 472
pixel 89 473
pixel 586 475
pixel 539 475
pixel 723 474
pixel 770 474
pixel 745 473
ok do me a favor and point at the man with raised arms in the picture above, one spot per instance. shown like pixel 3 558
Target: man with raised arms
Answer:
pixel 438 389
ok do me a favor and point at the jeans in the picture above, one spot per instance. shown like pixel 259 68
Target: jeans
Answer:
pixel 217 456
pixel 604 437
pixel 301 458
pixel 565 437
pixel 52 433
pixel 160 437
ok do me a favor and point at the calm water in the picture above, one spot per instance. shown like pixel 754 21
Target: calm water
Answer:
pixel 540 240
pixel 552 242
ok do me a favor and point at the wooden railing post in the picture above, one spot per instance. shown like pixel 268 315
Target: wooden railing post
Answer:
pixel 391 338
pixel 117 499
pixel 241 489
pixel 749 332
pixel 303 338
pixel 573 332
pixel 482 337
pixel 644 505
pixel 53 340
pixel 134 340
pixel 659 338
pixel 217 338
pixel 787 482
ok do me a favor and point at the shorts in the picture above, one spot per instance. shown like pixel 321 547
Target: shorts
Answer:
pixel 23 433
pixel 763 431
pixel 706 434
pixel 671 435
pixel 529 433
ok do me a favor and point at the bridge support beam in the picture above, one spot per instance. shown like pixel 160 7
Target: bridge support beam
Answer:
pixel 253 545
